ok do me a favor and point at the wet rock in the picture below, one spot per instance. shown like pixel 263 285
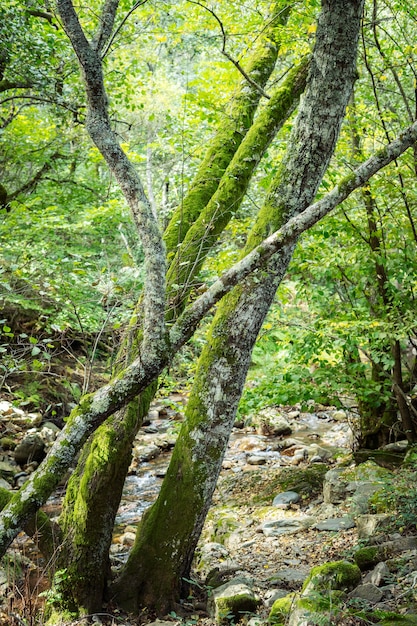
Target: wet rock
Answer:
pixel 31 448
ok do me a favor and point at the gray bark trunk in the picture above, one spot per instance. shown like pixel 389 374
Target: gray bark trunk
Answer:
pixel 168 535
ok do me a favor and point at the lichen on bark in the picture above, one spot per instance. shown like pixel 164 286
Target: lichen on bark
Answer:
pixel 225 359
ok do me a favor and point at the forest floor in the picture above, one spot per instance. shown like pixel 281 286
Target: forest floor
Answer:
pixel 253 473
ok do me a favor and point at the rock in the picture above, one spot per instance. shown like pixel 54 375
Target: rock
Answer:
pixel 397 446
pixel 292 415
pixel 7 443
pixel 253 442
pixel 271 422
pixel 369 592
pixel 256 460
pixel 146 453
pixel 339 575
pixel 8 471
pixel 371 555
pixel 274 594
pixel 371 525
pixel 128 539
pixel 379 575
pixel 290 576
pixel 31 448
pixel 4 484
pixel 323 586
pixel 233 600
pixel 281 609
pixel 334 487
pixel 339 415
pixel 278 527
pixel 285 498
pixel 315 450
pixel 336 523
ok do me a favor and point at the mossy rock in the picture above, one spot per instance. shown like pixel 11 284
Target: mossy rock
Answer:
pixel 258 487
pixel 233 601
pixel 336 575
pixel 365 558
pixel 280 610
pixel 7 443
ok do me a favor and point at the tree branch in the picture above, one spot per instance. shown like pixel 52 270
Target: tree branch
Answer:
pixel 98 125
pixel 187 323
pixel 95 408
pixel 226 54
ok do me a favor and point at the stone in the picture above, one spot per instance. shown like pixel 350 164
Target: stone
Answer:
pixel 281 609
pixel 275 528
pixel 274 594
pixel 285 498
pixel 256 460
pixel 367 591
pixel 336 524
pixel 8 470
pixel 5 485
pixel 339 415
pixel 290 575
pixel 233 600
pixel 370 525
pixel 271 422
pixel 379 575
pixel 31 448
pixel 334 487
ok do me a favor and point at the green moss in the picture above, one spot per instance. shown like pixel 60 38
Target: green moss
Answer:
pixel 281 609
pixel 235 607
pixel 339 575
pixel 7 443
pixel 366 557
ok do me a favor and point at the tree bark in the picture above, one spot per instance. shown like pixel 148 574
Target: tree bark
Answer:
pixel 95 489
pixel 168 534
pixel 94 409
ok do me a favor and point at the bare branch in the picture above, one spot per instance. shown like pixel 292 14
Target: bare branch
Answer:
pixel 122 23
pixel 187 323
pixel 95 408
pixel 226 54
pixel 99 127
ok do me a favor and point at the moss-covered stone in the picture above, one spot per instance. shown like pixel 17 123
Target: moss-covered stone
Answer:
pixel 366 558
pixel 281 609
pixel 339 575
pixel 233 601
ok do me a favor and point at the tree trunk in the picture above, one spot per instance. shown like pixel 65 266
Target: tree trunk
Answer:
pixel 95 489
pixel 169 532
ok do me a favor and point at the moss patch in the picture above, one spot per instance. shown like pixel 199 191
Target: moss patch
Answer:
pixel 281 609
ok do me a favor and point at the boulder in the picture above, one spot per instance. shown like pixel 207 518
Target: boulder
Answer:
pixel 233 601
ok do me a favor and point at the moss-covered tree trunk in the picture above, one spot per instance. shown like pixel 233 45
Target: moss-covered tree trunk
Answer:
pixel 168 534
pixel 95 489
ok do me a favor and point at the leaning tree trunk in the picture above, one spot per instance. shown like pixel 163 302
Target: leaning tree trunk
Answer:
pixel 167 537
pixel 95 489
